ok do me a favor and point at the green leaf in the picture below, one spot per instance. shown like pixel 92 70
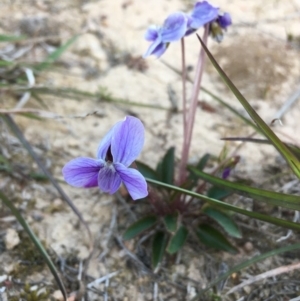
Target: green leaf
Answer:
pixel 201 165
pixel 178 240
pixel 167 166
pixel 290 158
pixel 223 220
pixel 214 239
pixel 274 198
pixel 203 162
pixel 158 247
pixel 36 242
pixel 146 171
pixel 170 221
pixel 222 205
pixel 7 38
pixel 218 193
pixel 140 226
pixel 56 54
pixel 293 148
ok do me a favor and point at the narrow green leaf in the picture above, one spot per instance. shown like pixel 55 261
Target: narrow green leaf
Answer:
pixel 225 206
pixel 218 193
pixel 293 148
pixel 56 54
pixel 171 221
pixel 140 226
pixel 223 220
pixel 274 198
pixel 231 109
pixel 264 128
pixel 36 242
pixel 246 264
pixel 159 170
pixel 158 247
pixel 214 239
pixel 32 116
pixel 146 171
pixel 168 166
pixel 5 64
pixel 7 38
pixel 178 240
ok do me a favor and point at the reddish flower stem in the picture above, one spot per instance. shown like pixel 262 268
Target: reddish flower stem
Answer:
pixel 190 119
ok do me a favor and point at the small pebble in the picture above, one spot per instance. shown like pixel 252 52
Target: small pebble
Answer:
pixel 248 246
pixel 11 239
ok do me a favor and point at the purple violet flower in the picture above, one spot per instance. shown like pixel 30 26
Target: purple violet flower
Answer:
pixel 116 152
pixel 179 24
pixel 218 26
pixel 202 14
pixel 173 29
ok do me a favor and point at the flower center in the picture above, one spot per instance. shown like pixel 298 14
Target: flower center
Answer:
pixel 109 158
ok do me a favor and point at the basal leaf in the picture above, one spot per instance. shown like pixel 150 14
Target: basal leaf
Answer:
pixel 214 239
pixel 146 171
pixel 140 226
pixel 218 193
pixel 201 165
pixel 168 166
pixel 178 239
pixel 158 247
pixel 223 220
pixel 171 221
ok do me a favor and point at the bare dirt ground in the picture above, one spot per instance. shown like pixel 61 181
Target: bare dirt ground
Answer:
pixel 107 54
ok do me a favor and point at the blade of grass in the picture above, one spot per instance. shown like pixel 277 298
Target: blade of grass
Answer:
pixel 246 264
pixel 15 129
pixel 264 128
pixel 218 99
pixel 55 55
pixel 36 242
pixel 7 38
pixel 293 148
pixel 78 95
pixel 222 205
pixel 274 198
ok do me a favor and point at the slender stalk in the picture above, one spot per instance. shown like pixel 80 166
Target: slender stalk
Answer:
pixel 192 111
pixel 184 87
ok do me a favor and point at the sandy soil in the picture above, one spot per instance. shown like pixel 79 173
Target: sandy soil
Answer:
pixel 255 54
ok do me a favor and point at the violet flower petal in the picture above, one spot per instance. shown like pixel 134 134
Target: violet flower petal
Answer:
pixel 202 14
pixel 82 172
pixel 224 20
pixel 127 141
pixel 154 47
pixel 105 143
pixel 151 34
pixel 174 27
pixel 133 180
pixel 160 50
pixel 109 180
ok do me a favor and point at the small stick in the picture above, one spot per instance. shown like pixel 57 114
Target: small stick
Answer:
pixel 268 274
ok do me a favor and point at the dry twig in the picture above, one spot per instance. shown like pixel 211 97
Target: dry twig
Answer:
pixel 268 274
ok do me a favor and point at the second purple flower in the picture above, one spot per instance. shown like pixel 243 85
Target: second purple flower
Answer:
pixel 116 152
